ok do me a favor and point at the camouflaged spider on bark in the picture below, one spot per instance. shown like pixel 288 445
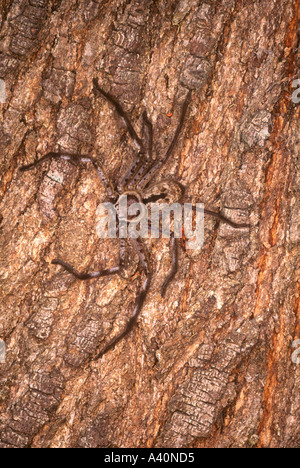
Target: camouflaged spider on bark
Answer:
pixel 139 187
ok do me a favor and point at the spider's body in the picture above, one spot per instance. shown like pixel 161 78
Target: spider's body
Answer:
pixel 137 185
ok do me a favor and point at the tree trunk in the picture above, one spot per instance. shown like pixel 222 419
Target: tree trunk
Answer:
pixel 212 364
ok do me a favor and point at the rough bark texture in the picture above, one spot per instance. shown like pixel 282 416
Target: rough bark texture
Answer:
pixel 211 364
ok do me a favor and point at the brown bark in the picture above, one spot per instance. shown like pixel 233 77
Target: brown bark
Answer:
pixel 210 365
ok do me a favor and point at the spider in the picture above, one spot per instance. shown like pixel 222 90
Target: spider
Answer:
pixel 139 187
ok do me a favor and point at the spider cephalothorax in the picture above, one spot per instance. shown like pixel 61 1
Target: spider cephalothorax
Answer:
pixel 138 187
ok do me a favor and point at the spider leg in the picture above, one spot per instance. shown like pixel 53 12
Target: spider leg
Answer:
pixel 78 159
pixel 143 168
pixel 110 190
pixel 87 276
pixel 145 264
pixel 174 268
pixel 136 139
pixel 174 255
pixel 179 127
pixel 222 218
pixel 158 164
pixel 143 163
pixel 148 135
pixel 49 156
pixel 96 274
pixel 135 172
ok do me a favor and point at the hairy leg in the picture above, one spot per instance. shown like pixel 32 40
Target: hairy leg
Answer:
pixel 136 171
pixel 52 155
pixel 142 164
pixel 174 247
pixel 100 91
pixel 148 136
pixel 222 218
pixel 145 264
pixel 96 274
pixel 158 164
pixel 86 276
pixel 134 180
pixel 174 255
pixel 143 160
pixel 77 158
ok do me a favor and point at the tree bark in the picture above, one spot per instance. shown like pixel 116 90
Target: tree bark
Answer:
pixel 211 364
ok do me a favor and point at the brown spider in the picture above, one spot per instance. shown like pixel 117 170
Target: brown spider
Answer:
pixel 138 187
